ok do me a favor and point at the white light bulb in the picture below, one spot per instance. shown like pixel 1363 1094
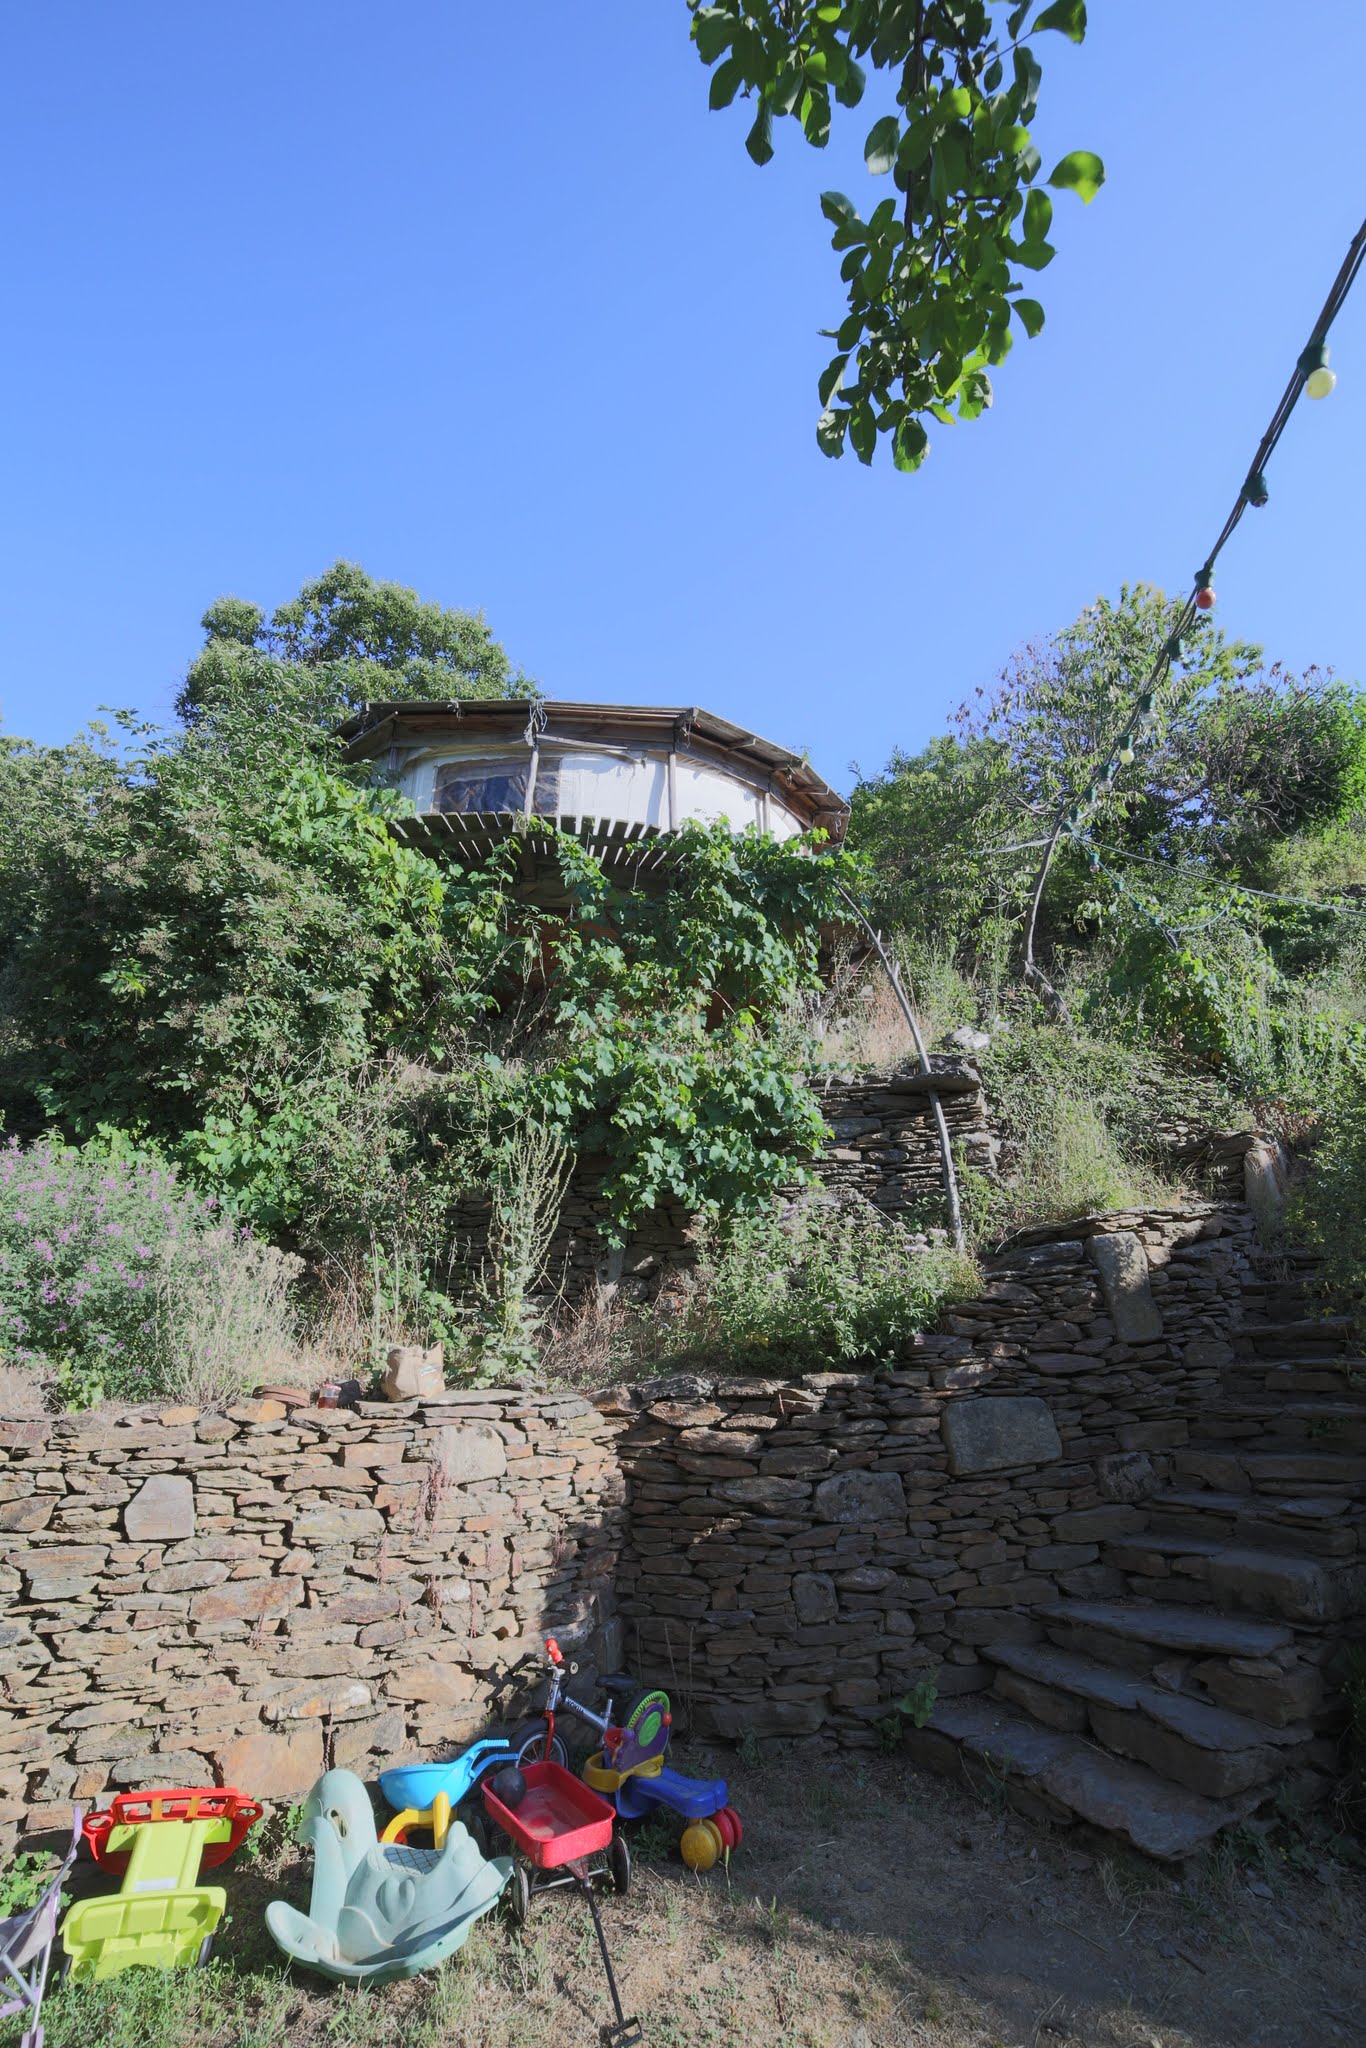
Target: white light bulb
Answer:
pixel 1319 382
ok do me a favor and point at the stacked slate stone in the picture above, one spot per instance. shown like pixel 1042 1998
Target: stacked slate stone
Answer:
pixel 246 1596
pixel 1008 1512
pixel 884 1142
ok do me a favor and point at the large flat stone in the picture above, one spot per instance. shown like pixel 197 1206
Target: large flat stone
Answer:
pixel 324 1523
pixel 1045 1664
pixel 469 1451
pixel 1122 1267
pixel 1163 1820
pixel 995 1431
pixel 1170 1628
pixel 1213 1773
pixel 161 1511
pixel 861 1497
pixel 274 1766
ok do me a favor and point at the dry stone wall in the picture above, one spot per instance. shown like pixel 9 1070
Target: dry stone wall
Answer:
pixel 801 1552
pixel 244 1597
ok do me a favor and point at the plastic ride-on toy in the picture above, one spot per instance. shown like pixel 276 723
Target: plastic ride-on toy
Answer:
pixel 161 1918
pixel 380 1910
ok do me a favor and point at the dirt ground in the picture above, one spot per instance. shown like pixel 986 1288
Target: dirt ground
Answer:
pixel 870 1906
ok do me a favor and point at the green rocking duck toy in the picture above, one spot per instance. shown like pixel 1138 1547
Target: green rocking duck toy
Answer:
pixel 379 1911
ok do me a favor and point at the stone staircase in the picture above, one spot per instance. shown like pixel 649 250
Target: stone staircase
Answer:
pixel 1198 1686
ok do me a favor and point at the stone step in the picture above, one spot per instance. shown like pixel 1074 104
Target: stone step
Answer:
pixel 1128 1632
pixel 1206 1748
pixel 1321 1423
pixel 1292 1471
pixel 1049 1774
pixel 1322 1526
pixel 1239 1578
pixel 1298 1332
pixel 1331 1379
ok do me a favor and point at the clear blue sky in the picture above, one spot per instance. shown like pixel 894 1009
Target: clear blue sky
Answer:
pixel 485 299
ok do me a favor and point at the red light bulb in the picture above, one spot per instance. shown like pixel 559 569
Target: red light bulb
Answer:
pixel 1204 598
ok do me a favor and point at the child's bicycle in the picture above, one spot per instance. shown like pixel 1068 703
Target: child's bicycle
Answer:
pixel 626 1744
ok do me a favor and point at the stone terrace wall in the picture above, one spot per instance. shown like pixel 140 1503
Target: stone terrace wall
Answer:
pixel 884 1143
pixel 194 1597
pixel 800 1552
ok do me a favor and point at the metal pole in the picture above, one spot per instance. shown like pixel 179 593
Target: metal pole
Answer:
pixel 945 1148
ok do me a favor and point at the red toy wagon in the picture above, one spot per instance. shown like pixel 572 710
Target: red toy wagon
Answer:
pixel 565 1833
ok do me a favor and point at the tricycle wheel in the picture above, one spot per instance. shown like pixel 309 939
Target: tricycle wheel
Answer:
pixel 517 1897
pixel 619 1863
pixel 528 1743
pixel 478 1830
pixel 205 1951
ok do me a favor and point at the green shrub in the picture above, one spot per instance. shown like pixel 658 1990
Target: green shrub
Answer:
pixel 1329 1211
pixel 119 1281
pixel 821 1286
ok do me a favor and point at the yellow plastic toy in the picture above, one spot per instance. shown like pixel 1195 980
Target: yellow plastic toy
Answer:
pixel 596 1774
pixel 160 1919
pixel 437 1817
pixel 701 1846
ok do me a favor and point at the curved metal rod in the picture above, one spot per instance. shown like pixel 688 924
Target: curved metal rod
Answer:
pixel 945 1147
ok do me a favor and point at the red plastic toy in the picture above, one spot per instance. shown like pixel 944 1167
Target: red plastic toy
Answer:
pixel 203 1802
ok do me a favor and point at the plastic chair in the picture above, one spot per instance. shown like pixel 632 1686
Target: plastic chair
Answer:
pixel 380 1910
pixel 26 1949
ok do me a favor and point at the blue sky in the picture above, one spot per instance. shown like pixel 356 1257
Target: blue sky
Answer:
pixel 484 298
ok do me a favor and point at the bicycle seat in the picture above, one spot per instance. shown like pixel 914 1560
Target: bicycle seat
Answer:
pixel 618 1687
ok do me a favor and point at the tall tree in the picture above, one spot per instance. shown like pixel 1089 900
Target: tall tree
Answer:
pixel 345 640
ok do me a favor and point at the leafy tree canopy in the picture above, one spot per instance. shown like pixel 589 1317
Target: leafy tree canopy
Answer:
pixel 344 641
pixel 933 273
pixel 213 943
pixel 1249 779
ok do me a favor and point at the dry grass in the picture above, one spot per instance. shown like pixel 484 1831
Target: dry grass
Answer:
pixel 870 1906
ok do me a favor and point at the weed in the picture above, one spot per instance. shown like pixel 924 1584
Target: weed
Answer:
pixel 24 1883
pixel 747 1751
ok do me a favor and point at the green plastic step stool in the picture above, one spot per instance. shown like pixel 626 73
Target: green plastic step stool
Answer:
pixel 160 1918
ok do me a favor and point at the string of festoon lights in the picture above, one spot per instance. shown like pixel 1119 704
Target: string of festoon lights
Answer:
pixel 1316 380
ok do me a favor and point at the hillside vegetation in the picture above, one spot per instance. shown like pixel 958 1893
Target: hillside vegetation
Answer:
pixel 256 1051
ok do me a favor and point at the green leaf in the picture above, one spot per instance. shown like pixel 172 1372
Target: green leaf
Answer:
pixel 837 208
pixel 1067 16
pixel 910 445
pixel 830 431
pixel 759 141
pixel 879 151
pixel 712 30
pixel 831 377
pixel 958 102
pixel 1028 72
pixel 849 90
pixel 816 116
pixel 1038 216
pixel 1080 171
pixel 1033 255
pixel 863 432
pixel 1015 17
pixel 1031 315
pixel 725 83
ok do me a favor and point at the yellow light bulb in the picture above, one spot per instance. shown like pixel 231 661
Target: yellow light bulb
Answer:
pixel 1126 755
pixel 1320 381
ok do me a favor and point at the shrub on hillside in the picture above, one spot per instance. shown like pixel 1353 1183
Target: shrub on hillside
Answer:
pixel 821 1286
pixel 117 1281
pixel 1329 1211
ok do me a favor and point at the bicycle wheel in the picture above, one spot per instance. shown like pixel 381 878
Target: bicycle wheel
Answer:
pixel 528 1744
